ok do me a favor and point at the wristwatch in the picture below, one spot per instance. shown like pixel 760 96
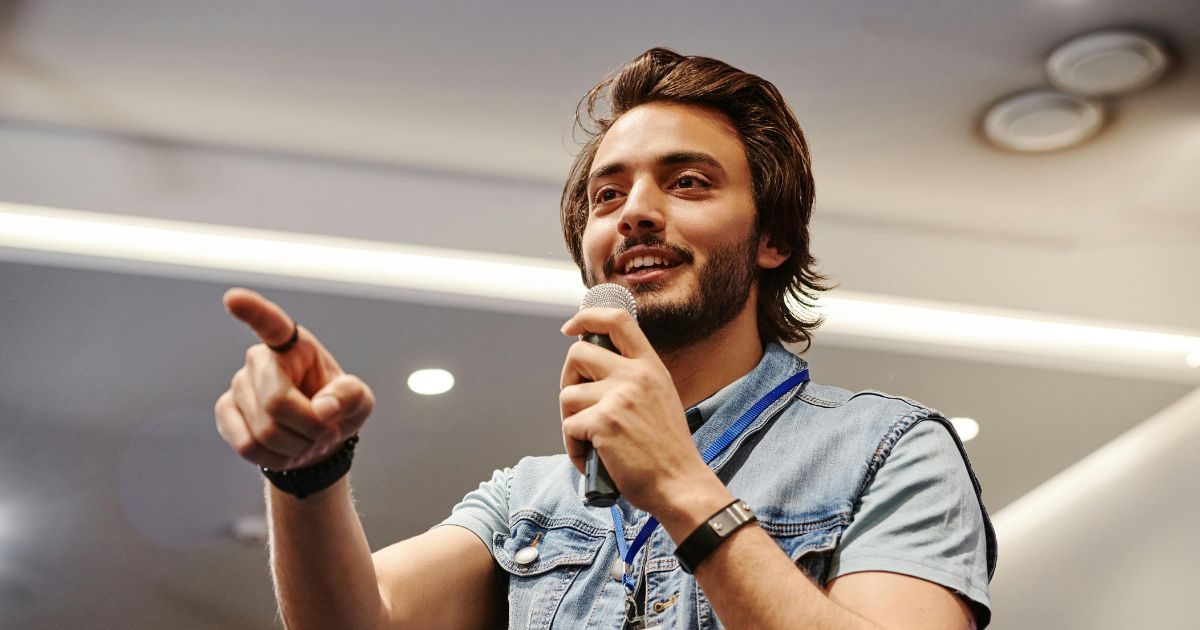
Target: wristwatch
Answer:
pixel 712 532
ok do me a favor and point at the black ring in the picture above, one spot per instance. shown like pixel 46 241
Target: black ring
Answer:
pixel 290 343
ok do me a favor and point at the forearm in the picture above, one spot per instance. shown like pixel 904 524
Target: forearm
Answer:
pixel 749 580
pixel 321 563
pixel 753 584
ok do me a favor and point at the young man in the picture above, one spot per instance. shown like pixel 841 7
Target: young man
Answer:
pixel 694 192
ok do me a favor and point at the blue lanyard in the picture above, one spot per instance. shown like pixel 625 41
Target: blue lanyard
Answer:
pixel 627 552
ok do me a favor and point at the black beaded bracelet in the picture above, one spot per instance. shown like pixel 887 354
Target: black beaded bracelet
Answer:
pixel 314 478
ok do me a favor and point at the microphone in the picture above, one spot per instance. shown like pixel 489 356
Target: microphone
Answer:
pixel 598 489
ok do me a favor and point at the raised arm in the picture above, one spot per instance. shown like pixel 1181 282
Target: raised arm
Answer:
pixel 289 409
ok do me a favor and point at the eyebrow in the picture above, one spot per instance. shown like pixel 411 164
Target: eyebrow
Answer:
pixel 670 159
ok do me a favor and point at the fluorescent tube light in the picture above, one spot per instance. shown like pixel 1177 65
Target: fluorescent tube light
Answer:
pixel 852 319
pixel 1063 342
pixel 306 256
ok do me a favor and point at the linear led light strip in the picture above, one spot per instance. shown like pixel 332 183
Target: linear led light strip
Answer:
pixel 557 284
pixel 1064 341
pixel 294 255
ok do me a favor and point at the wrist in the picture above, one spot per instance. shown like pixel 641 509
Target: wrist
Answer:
pixel 712 533
pixel 686 504
pixel 314 478
pixel 312 503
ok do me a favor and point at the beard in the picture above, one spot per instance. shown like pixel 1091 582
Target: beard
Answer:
pixel 723 287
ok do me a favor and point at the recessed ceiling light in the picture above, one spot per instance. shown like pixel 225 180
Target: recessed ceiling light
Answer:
pixel 966 428
pixel 430 381
pixel 1106 63
pixel 249 530
pixel 1042 120
pixel 1193 359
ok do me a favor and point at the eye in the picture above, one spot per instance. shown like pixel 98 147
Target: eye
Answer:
pixel 690 181
pixel 604 195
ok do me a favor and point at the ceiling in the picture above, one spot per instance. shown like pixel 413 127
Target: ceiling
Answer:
pixel 447 124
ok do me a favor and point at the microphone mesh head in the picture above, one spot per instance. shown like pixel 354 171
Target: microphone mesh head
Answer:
pixel 610 296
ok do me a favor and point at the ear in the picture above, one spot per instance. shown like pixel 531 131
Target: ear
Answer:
pixel 771 253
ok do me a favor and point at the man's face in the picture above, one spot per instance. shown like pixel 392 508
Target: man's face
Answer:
pixel 672 219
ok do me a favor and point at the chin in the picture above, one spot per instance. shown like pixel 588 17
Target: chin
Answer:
pixel 665 288
pixel 648 288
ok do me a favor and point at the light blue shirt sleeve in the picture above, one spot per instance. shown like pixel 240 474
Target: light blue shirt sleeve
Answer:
pixel 920 516
pixel 484 510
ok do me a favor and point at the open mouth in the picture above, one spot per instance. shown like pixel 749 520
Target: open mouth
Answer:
pixel 647 263
pixel 646 268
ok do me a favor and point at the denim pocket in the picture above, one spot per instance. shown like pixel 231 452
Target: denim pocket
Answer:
pixel 810 545
pixel 540 579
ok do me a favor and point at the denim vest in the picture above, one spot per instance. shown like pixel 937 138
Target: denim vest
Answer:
pixel 802 466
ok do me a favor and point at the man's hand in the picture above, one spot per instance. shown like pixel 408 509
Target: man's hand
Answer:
pixel 286 410
pixel 626 406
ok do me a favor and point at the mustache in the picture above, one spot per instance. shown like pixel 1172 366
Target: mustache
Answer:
pixel 648 240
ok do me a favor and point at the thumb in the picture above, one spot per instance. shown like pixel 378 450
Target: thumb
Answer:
pixel 346 401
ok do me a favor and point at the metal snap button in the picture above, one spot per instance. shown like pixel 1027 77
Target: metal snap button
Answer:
pixel 529 554
pixel 617 571
pixel 526 555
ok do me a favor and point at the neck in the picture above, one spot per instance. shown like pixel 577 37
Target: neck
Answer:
pixel 702 369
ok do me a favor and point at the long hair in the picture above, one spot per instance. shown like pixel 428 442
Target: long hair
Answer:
pixel 780 169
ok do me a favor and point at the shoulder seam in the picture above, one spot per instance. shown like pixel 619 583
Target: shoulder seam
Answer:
pixel 824 402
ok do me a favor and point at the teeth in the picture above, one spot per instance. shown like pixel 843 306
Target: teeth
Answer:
pixel 643 261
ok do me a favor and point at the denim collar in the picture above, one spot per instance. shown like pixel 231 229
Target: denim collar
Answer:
pixel 723 408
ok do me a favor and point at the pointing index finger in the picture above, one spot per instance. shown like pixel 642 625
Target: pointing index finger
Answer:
pixel 272 325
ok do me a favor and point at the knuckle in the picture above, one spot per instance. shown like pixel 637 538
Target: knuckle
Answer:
pixel 639 373
pixel 624 400
pixel 605 415
pixel 266 433
pixel 256 354
pixel 247 449
pixel 351 389
pixel 275 405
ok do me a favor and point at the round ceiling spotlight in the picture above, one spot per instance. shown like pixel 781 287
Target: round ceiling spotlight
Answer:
pixel 966 428
pixel 1193 359
pixel 1106 63
pixel 1042 120
pixel 430 382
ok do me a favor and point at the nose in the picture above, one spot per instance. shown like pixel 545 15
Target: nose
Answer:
pixel 642 211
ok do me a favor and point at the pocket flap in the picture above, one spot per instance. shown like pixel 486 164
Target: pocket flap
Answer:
pixel 556 547
pixel 801 539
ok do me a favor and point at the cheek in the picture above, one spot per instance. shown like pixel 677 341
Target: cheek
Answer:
pixel 594 251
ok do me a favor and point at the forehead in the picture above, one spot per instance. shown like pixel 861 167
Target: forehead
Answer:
pixel 655 129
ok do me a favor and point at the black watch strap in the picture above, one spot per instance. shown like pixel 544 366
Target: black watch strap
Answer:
pixel 711 533
pixel 309 480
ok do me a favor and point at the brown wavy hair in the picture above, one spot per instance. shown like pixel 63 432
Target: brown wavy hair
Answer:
pixel 780 169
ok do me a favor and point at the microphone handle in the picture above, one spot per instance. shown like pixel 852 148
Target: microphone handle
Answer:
pixel 599 489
